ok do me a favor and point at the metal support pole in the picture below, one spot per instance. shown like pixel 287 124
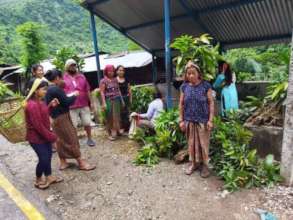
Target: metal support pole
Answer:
pixel 168 52
pixel 154 68
pixel 95 42
pixel 287 145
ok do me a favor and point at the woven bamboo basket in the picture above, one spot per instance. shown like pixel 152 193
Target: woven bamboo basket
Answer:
pixel 12 120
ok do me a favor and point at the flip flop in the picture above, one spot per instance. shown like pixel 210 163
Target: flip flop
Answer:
pixel 112 138
pixel 57 180
pixel 64 167
pixel 88 167
pixel 40 183
pixel 42 186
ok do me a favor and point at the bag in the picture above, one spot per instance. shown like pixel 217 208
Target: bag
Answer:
pixel 133 127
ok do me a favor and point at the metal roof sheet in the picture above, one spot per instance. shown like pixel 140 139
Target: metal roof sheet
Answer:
pixel 234 23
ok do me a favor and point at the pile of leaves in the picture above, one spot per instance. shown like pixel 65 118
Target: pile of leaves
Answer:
pixel 235 162
pixel 271 111
pixel 141 97
pixel 165 142
pixel 5 92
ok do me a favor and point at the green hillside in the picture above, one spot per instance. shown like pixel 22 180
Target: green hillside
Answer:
pixel 65 24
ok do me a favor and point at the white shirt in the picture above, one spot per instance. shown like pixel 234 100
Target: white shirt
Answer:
pixel 154 110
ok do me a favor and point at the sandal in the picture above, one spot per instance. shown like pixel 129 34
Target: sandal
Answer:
pixel 87 167
pixel 42 186
pixel 64 167
pixel 205 172
pixel 112 138
pixel 55 179
pixel 191 169
pixel 36 184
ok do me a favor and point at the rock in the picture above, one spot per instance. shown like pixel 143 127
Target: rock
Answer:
pixel 181 156
pixel 51 198
pixel 224 194
pixel 109 183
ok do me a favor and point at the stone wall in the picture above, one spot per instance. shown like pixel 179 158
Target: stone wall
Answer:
pixel 267 140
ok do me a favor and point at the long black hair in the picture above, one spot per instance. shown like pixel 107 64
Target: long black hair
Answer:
pixel 51 75
pixel 228 75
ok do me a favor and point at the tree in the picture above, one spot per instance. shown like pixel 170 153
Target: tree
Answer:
pixel 33 50
pixel 64 54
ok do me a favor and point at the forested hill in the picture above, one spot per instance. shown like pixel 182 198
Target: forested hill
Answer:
pixel 66 24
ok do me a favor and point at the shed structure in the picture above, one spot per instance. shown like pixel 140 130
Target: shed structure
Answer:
pixel 153 24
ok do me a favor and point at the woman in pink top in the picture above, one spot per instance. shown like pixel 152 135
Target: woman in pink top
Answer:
pixel 111 101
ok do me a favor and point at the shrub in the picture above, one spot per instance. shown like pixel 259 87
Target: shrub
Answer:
pixel 235 162
pixel 141 97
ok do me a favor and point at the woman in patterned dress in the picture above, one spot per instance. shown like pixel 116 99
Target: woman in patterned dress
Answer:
pixel 111 101
pixel 196 108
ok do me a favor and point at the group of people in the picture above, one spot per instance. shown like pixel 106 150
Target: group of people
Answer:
pixel 57 103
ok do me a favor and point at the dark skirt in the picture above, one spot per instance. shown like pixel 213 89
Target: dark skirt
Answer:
pixel 125 123
pixel 67 143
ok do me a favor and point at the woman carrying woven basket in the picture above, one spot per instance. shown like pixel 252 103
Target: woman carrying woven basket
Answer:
pixel 38 132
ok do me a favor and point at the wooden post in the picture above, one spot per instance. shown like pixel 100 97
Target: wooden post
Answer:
pixel 287 146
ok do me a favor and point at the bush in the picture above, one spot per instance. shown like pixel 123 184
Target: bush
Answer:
pixel 141 97
pixel 235 162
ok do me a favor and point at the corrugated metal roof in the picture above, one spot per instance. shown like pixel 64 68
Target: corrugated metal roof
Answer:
pixel 234 23
pixel 128 60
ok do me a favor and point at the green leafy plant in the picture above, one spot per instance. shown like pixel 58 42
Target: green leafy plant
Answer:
pixel 64 54
pixel 243 76
pixel 168 138
pixel 141 97
pixel 277 92
pixel 248 107
pixel 148 156
pixel 33 49
pixel 235 162
pixel 5 92
pixel 199 50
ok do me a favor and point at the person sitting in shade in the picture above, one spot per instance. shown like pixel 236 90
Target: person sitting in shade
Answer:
pixel 147 120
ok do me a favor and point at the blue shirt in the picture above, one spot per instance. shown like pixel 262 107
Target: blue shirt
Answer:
pixel 196 107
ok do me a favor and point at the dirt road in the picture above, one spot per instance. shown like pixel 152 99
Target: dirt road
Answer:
pixel 117 189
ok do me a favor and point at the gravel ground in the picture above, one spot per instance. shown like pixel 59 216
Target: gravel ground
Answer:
pixel 117 189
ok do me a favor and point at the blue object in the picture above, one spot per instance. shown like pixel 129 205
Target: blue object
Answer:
pixel 265 215
pixel 95 41
pixel 154 68
pixel 168 52
pixel 229 96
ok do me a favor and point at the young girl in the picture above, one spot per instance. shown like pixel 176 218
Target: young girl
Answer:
pixel 125 89
pixel 39 134
pixel 111 101
pixel 196 110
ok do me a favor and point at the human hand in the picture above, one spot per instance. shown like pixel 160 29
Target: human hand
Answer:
pixel 54 103
pixel 182 126
pixel 104 107
pixel 76 93
pixel 210 125
pixel 133 114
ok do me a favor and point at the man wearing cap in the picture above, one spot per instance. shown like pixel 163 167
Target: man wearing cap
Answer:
pixel 75 81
